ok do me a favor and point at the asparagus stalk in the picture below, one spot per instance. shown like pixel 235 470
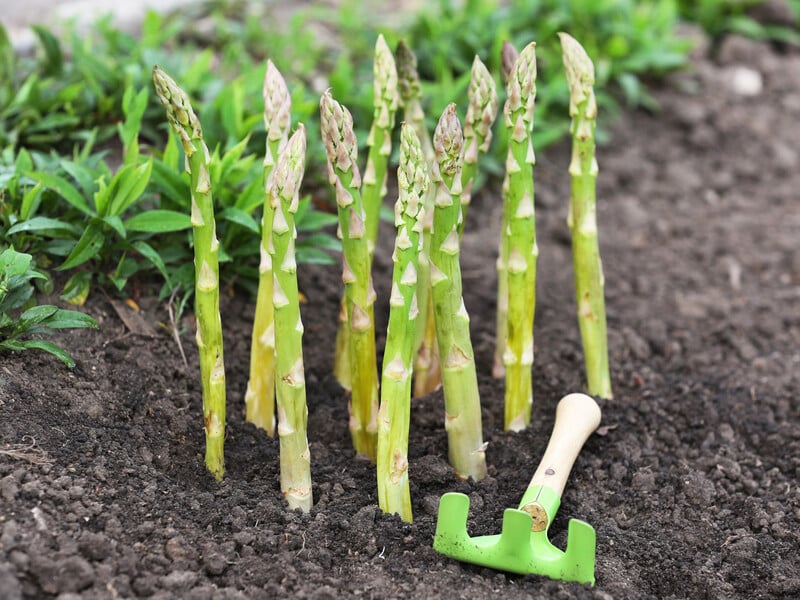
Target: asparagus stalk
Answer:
pixel 462 401
pixel 386 99
pixel 206 265
pixel 481 113
pixel 291 383
pixel 373 189
pixel 520 232
pixel 427 374
pixel 395 411
pixel 260 396
pixel 582 219
pixel 508 58
pixel 341 148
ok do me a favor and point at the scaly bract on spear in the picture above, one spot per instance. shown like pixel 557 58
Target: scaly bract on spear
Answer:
pixel 341 148
pixel 260 395
pixel 289 370
pixel 186 125
pixel 467 451
pixel 520 233
pixel 481 113
pixel 395 410
pixel 427 375
pixel 582 219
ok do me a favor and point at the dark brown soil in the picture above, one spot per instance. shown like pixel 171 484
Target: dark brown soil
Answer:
pixel 693 488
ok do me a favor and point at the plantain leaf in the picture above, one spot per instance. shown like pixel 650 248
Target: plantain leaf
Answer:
pixel 45 225
pixel 158 221
pixel 88 247
pixel 63 188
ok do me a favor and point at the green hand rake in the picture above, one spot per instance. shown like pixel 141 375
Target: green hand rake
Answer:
pixel 523 546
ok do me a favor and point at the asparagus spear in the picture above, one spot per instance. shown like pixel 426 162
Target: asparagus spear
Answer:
pixel 206 265
pixel 462 402
pixel 582 219
pixel 291 383
pixel 520 232
pixel 341 148
pixel 260 395
pixel 481 113
pixel 508 58
pixel 427 375
pixel 373 189
pixel 386 99
pixel 394 415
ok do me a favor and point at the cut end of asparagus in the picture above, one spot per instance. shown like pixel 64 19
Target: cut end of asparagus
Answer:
pixel 341 145
pixel 448 141
pixel 482 109
pixel 277 104
pixel 580 74
pixel 180 114
pixel 508 58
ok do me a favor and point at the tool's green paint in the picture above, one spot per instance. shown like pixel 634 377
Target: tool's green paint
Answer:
pixel 518 549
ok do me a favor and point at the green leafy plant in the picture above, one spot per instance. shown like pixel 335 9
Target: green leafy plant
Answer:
pixel 21 319
pixel 719 17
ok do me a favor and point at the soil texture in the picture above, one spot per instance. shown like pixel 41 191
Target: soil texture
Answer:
pixel 691 483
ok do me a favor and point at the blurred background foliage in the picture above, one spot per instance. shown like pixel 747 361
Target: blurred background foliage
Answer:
pixel 91 187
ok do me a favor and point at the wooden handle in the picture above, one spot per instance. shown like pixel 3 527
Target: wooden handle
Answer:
pixel 577 416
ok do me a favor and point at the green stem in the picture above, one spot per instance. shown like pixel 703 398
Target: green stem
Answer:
pixel 427 374
pixel 520 233
pixel 386 99
pixel 289 370
pixel 582 220
pixel 341 148
pixel 508 61
pixel 481 113
pixel 459 377
pixel 395 411
pixel 260 394
pixel 206 262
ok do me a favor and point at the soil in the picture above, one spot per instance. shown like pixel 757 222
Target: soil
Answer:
pixel 692 484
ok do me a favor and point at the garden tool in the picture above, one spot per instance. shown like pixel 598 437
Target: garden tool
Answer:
pixel 523 546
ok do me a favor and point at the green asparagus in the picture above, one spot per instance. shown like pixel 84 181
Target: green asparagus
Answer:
pixel 459 378
pixel 290 374
pixel 260 395
pixel 520 231
pixel 386 99
pixel 508 58
pixel 481 113
pixel 373 189
pixel 427 374
pixel 341 148
pixel 395 411
pixel 582 219
pixel 206 249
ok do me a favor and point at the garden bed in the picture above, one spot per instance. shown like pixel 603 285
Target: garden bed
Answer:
pixel 691 484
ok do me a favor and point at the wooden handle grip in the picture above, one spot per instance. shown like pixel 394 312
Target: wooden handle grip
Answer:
pixel 577 416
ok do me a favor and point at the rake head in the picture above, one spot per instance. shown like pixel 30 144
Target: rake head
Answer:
pixel 517 549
